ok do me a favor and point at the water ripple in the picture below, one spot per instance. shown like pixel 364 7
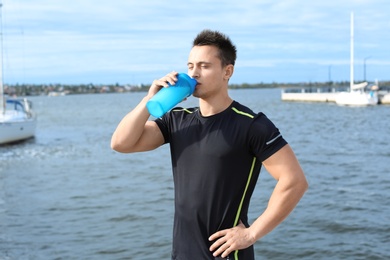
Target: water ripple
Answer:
pixel 66 195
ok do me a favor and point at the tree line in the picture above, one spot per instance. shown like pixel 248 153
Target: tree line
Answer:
pixel 47 89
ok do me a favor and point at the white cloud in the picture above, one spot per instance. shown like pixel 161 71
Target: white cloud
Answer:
pixel 54 37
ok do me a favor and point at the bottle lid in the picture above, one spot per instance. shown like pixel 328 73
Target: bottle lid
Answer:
pixel 185 78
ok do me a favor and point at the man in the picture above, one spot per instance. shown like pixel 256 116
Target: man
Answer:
pixel 217 151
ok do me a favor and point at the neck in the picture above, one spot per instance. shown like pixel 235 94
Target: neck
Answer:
pixel 211 107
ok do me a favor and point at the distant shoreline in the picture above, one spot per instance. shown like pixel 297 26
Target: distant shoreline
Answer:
pixel 67 89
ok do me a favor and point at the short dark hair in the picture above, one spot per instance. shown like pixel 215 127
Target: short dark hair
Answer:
pixel 227 50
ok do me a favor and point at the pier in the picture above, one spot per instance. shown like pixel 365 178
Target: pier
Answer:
pixel 324 95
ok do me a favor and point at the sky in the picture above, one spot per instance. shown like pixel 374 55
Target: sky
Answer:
pixel 135 42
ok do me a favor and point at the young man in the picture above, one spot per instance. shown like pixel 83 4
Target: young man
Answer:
pixel 217 151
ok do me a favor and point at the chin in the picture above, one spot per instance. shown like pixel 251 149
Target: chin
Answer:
pixel 196 94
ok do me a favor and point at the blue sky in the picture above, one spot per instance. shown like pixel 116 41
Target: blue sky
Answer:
pixel 133 41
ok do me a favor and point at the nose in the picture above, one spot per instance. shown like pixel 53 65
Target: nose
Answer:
pixel 193 73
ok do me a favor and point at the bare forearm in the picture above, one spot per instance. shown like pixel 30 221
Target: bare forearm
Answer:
pixel 282 202
pixel 131 127
pixel 135 133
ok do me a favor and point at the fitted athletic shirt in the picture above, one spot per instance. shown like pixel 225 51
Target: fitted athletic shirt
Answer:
pixel 216 162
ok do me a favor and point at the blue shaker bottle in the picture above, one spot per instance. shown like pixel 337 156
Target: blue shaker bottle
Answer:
pixel 167 98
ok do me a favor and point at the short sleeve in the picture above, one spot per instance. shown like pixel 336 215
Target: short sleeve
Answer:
pixel 162 123
pixel 264 137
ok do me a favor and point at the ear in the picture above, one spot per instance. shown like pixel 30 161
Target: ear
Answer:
pixel 229 69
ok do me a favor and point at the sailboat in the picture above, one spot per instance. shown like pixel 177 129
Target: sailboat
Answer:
pixel 356 96
pixel 17 119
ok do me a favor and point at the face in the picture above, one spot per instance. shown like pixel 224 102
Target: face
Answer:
pixel 205 66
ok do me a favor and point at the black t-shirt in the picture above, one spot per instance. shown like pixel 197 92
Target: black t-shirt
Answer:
pixel 216 162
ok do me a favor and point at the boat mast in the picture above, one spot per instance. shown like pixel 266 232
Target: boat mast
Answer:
pixel 2 97
pixel 351 62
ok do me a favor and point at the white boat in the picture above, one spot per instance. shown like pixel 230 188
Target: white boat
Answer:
pixel 357 96
pixel 17 119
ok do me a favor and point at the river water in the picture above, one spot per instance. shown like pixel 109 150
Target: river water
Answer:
pixel 67 195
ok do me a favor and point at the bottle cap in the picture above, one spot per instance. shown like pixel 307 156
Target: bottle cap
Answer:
pixel 183 77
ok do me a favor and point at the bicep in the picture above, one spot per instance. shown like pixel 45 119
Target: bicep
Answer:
pixel 150 139
pixel 284 163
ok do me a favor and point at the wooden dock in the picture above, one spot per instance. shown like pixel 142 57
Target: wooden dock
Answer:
pixel 309 96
